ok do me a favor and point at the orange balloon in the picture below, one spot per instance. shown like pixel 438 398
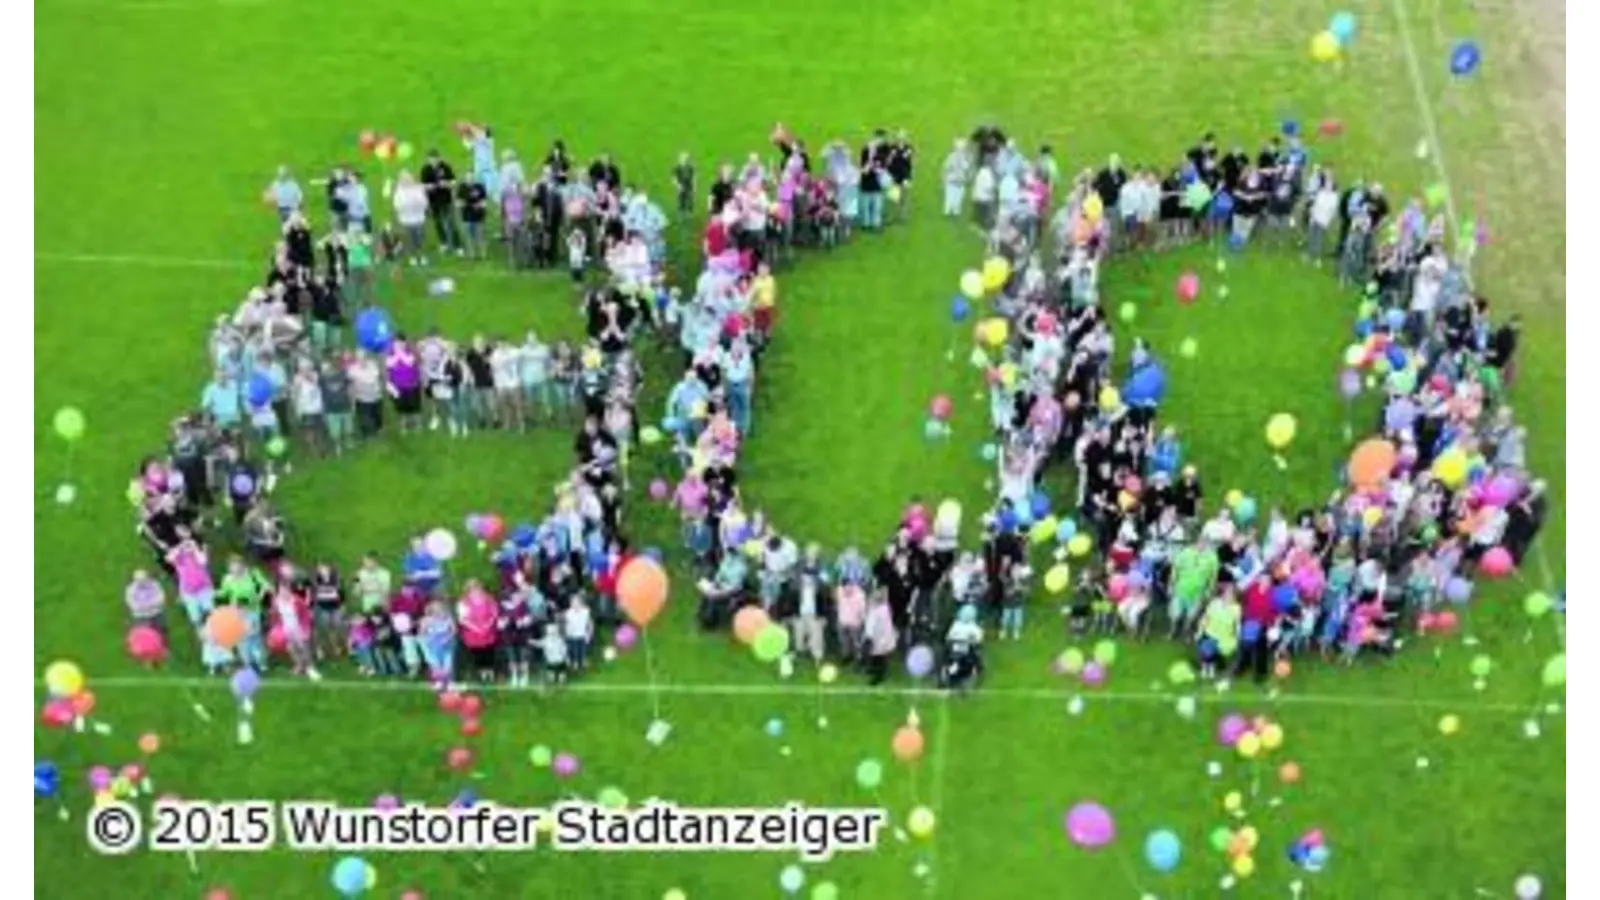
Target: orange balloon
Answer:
pixel 149 743
pixel 226 627
pixel 1282 669
pixel 1289 772
pixel 748 622
pixel 907 743
pixel 642 590
pixel 1371 463
pixel 82 703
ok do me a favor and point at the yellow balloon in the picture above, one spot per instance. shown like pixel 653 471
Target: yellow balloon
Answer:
pixel 1249 837
pixel 1233 801
pixel 63 679
pixel 1451 468
pixel 674 894
pixel 1371 516
pixel 1008 375
pixel 921 822
pixel 1110 397
pixel 828 674
pixel 1093 208
pixel 995 272
pixel 1324 47
pixel 1249 745
pixel 1044 530
pixel 1244 866
pixel 104 798
pixel 1233 498
pixel 1449 725
pixel 1272 736
pixel 995 331
pixel 972 285
pixel 1080 545
pixel 1058 579
pixel 1280 431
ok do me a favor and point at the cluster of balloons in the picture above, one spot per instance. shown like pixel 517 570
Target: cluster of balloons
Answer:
pixel 1310 852
pixel 486 527
pixel 1091 668
pixel 70 699
pixel 384 146
pixel 992 277
pixel 1249 738
pixel 1239 845
pixel 1329 44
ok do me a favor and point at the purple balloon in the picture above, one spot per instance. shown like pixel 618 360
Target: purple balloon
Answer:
pixel 245 683
pixel 1094 674
pixel 474 525
pixel 243 484
pixel 1089 825
pixel 1350 384
pixel 1501 490
pixel 919 661
pixel 626 637
pixel 386 801
pixel 565 765
pixel 1231 728
pixel 1458 590
pixel 659 490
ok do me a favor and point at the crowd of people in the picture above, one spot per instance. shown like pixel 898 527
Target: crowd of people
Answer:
pixel 1441 487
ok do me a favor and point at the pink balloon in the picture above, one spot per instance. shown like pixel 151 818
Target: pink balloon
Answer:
pixel 386 801
pixel 1496 563
pixel 941 407
pixel 459 758
pixel 659 490
pixel 1090 826
pixel 1446 620
pixel 100 777
pixel 132 772
pixel 491 527
pixel 1117 588
pixel 1188 287
pixel 1501 490
pixel 626 637
pixel 565 765
pixel 411 895
pixel 1231 728
pixel 1094 674
pixel 146 644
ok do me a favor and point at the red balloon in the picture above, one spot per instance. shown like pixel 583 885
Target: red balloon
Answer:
pixel 471 705
pixel 81 703
pixel 459 759
pixel 146 644
pixel 492 528
pixel 277 640
pixel 471 727
pixel 450 701
pixel 941 407
pixel 57 713
pixel 367 140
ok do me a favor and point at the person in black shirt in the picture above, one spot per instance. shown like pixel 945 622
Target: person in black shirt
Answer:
pixel 1503 345
pixel 298 243
pixel 480 383
pixel 337 208
pixel 606 171
pixel 721 190
pixel 439 180
pixel 474 199
pixel 558 162
pixel 683 180
pixel 327 315
pixel 899 162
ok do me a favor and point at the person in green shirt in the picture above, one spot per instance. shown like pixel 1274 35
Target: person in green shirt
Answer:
pixel 247 589
pixel 1194 574
pixel 1220 625
pixel 373 584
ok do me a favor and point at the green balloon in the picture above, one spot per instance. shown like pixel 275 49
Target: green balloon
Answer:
pixel 1071 661
pixel 135 493
pixel 825 890
pixel 1128 311
pixel 869 773
pixel 1105 652
pixel 1221 837
pixel 1481 665
pixel 69 423
pixel 1538 604
pixel 1555 671
pixel 771 643
pixel 1189 349
pixel 277 447
pixel 1181 673
pixel 404 151
pixel 540 755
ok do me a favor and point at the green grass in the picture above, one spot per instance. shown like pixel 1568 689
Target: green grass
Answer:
pixel 157 126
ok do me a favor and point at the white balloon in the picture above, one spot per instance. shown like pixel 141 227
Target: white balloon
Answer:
pixel 440 544
pixel 1528 888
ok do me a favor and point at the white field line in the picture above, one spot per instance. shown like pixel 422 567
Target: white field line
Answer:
pixel 941 757
pixel 1430 123
pixel 602 688
pixel 149 261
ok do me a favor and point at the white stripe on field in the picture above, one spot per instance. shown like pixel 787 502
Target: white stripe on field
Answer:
pixel 941 756
pixel 1430 124
pixel 137 260
pixel 1204 695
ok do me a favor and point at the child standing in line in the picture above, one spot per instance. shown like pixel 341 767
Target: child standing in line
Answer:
pixel 437 640
pixel 850 611
pixel 554 648
pixel 360 641
pixel 577 255
pixel 1016 599
pixel 578 626
pixel 385 644
pixel 683 180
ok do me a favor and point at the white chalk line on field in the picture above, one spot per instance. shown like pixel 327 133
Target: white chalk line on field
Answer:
pixel 1430 122
pixel 1204 694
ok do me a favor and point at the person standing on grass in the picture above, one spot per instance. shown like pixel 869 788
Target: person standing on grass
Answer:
pixel 683 182
pixel 439 181
pixel 285 195
pixel 327 611
pixel 477 615
pixel 880 638
pixel 366 389
pixel 405 383
pixel 411 212
pixel 474 198
pixel 309 409
pixel 955 174
pixel 352 195
pixel 900 162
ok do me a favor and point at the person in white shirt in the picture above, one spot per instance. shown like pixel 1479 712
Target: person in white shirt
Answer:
pixel 984 187
pixel 411 211
pixel 577 625
pixel 957 172
pixel 1324 207
pixel 505 370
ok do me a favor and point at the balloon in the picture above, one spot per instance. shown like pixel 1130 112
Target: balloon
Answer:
pixel 908 743
pixel 244 683
pixel 995 331
pixel 660 490
pixel 1554 673
pixel 1527 887
pixel 374 330
pixel 1271 736
pixel 1449 724
pixel 791 879
pixel 1280 431
pixel 771 642
pixel 1079 545
pixel 1188 287
pixel 940 407
pixel 1371 463
pixel 243 485
pixel 1071 661
pixel 440 544
pixel 46 779
pixel 1451 467
pixel 1110 399
pixel 1343 27
pixel 277 448
pixel 649 435
pixel 921 822
pixel 995 273
pixel 226 627
pixel 146 644
pixel 1231 728
pixel 69 423
pixel 367 140
pixel 1481 665
pixel 1248 745
pixel 919 662
pixel 57 713
pixel 825 890
pixel 1244 512
pixel 1146 387
pixel 869 774
pixel 642 590
pixel 1537 605
pixel 278 639
pixel 1180 673
pixel 404 151
pixel 149 743
pixel 1162 850
pixel 1094 673
pixel 626 637
pixel 1458 590
pixel 1105 652
pixel 350 876
pixel 1464 58
pixel 384 149
pixel 960 308
pixel 828 674
pixel 1189 348
pixel 1094 208
pixel 1244 866
pixel 459 759
pixel 1496 563
pixel 1219 838
pixel 1128 311
pixel 972 284
pixel 1058 578
pixel 1325 47
pixel 565 765
pixel 1289 772
pixel 1089 825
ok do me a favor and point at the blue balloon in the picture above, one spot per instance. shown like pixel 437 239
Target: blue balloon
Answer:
pixel 968 613
pixel 1343 27
pixel 467 799
pixel 1251 630
pixel 989 452
pixel 1039 503
pixel 1065 530
pixel 1396 355
pixel 960 308
pixel 1363 329
pixel 1297 853
pixel 1245 512
pixel 374 330
pixel 1221 206
pixel 774 727
pixel 1008 519
pixel 1464 58
pixel 1025 515
pixel 46 779
pixel 672 425
pixel 524 535
pixel 1317 857
pixel 1290 128
pixel 1236 241
pixel 1284 597
pixel 1146 387
pixel 350 876
pixel 258 390
pixel 1162 850
pixel 1395 318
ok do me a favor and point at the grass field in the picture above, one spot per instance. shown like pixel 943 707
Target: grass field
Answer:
pixel 158 123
